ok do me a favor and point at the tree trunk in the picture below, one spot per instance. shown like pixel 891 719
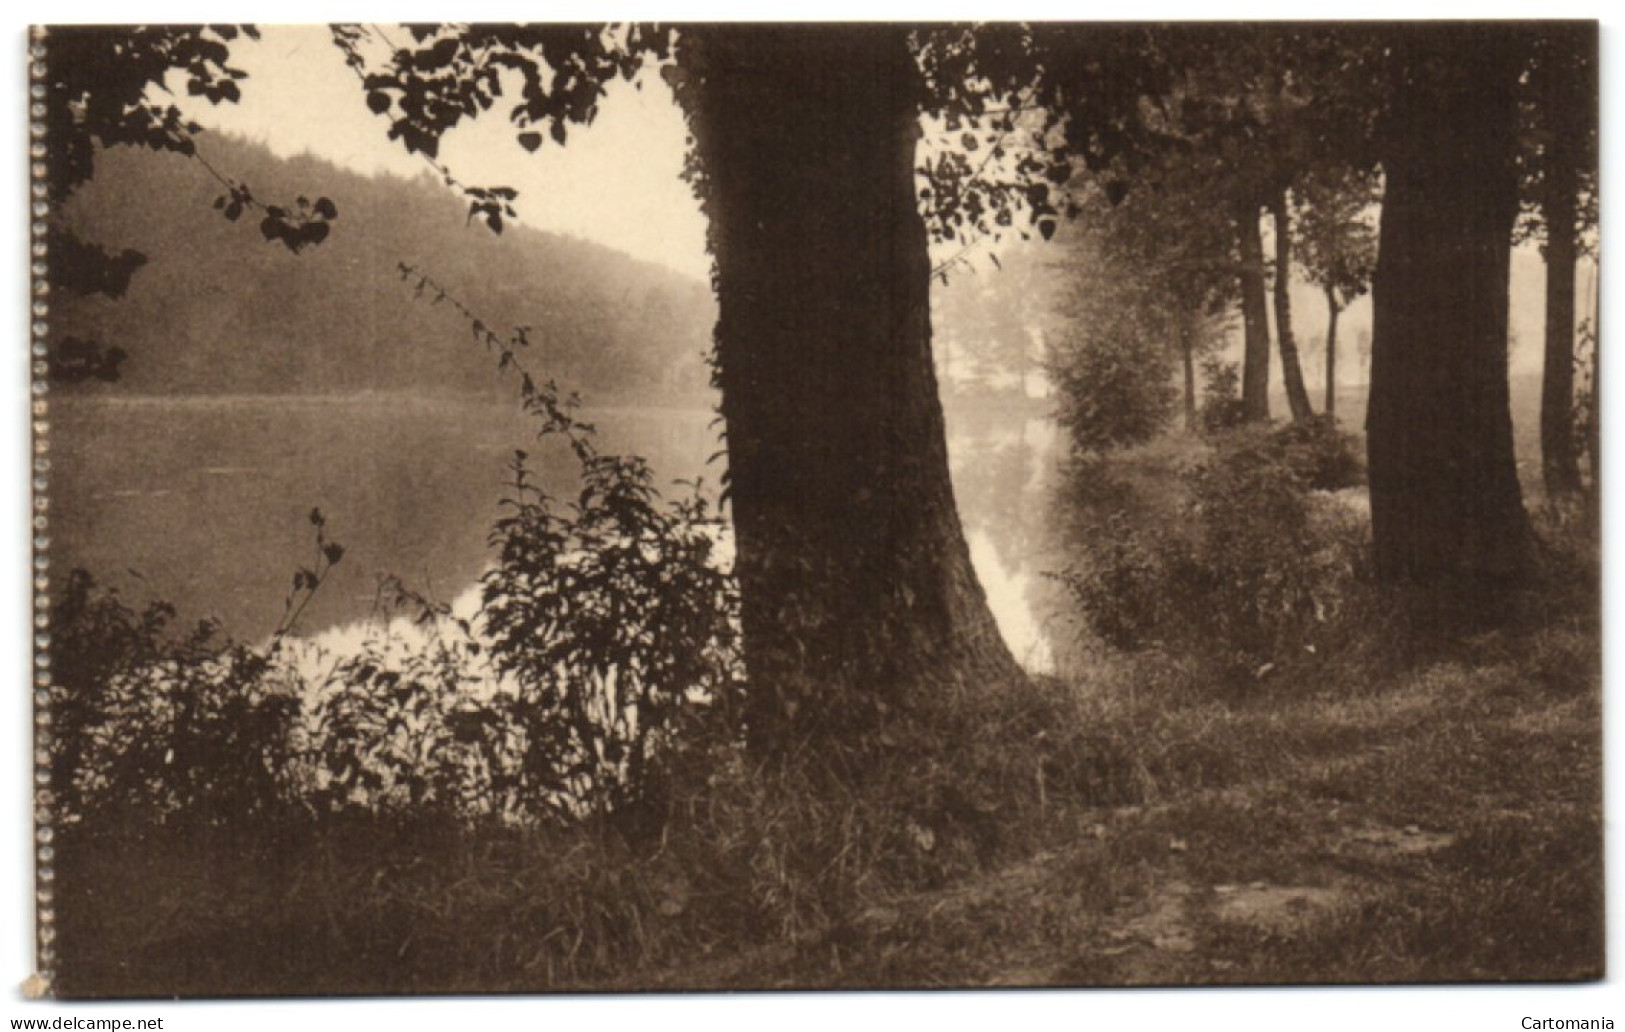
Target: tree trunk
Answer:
pixel 1334 310
pixel 1297 395
pixel 1021 367
pixel 1562 100
pixel 1255 368
pixel 1445 500
pixel 859 600
pixel 1187 356
pixel 1594 412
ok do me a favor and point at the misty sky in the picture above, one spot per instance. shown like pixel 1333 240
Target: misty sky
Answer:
pixel 615 183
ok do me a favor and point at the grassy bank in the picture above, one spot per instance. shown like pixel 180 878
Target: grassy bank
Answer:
pixel 1437 819
pixel 1255 767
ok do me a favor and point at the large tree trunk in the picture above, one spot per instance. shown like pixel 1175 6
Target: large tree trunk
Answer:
pixel 1563 108
pixel 1297 395
pixel 1255 367
pixel 1445 500
pixel 1333 310
pixel 859 600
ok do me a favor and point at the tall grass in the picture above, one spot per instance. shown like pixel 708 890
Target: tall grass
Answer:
pixel 372 830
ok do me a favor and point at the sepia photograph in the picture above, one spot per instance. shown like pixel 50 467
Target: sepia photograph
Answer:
pixel 698 506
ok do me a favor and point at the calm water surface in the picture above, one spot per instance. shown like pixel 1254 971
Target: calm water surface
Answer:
pixel 205 501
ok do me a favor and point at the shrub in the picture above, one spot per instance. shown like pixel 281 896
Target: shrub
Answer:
pixel 1323 457
pixel 1278 560
pixel 1221 395
pixel 1249 568
pixel 611 620
pixel 151 725
pixel 1122 586
pixel 410 724
pixel 1113 385
pixel 606 641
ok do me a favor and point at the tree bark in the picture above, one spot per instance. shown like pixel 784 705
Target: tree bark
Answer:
pixel 1297 395
pixel 1445 499
pixel 859 600
pixel 1334 310
pixel 1255 369
pixel 1594 422
pixel 1187 356
pixel 1562 100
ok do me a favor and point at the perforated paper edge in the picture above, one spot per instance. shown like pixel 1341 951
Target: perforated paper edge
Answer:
pixel 39 983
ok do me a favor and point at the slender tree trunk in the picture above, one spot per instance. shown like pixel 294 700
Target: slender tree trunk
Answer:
pixel 1334 310
pixel 1187 356
pixel 1594 433
pixel 859 600
pixel 1445 499
pixel 1559 464
pixel 1021 367
pixel 1297 395
pixel 1255 368
pixel 1594 412
pixel 1562 99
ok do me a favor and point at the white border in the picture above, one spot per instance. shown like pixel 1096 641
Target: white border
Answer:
pixel 1326 1009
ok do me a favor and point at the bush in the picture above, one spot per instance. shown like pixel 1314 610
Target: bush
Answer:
pixel 1221 396
pixel 1113 386
pixel 610 620
pixel 1278 559
pixel 1323 457
pixel 607 637
pixel 1248 569
pixel 149 725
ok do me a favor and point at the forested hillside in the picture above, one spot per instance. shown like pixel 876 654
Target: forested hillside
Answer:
pixel 216 309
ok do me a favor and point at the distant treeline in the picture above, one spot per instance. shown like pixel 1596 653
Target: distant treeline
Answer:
pixel 216 309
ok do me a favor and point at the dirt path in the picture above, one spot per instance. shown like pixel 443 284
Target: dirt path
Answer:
pixel 1174 932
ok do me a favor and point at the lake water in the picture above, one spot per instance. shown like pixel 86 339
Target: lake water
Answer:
pixel 204 502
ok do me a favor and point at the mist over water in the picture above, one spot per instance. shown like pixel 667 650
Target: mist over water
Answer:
pixel 204 501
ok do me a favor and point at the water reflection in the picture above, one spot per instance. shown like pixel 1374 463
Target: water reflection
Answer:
pixel 1003 462
pixel 203 502
pixel 409 485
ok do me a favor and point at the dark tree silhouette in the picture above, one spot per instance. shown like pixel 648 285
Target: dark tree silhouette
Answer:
pixel 1563 81
pixel 856 579
pixel 857 591
pixel 1338 249
pixel 1151 280
pixel 1435 107
pixel 98 91
pixel 1251 108
pixel 1445 500
pixel 1255 377
pixel 1297 395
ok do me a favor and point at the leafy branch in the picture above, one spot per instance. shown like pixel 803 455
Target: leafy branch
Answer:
pixel 490 203
pixel 306 224
pixel 452 73
pixel 307 580
pixel 541 398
